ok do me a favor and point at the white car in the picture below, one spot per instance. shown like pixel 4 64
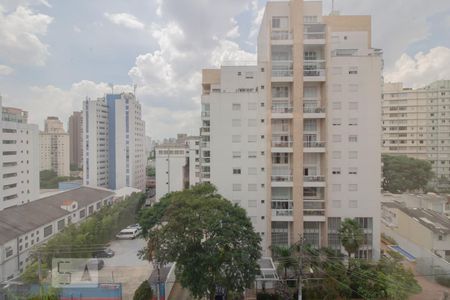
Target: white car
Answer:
pixel 128 233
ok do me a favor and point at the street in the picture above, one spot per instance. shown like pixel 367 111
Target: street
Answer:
pixel 125 266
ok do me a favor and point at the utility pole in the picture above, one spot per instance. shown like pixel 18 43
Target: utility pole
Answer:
pixel 300 273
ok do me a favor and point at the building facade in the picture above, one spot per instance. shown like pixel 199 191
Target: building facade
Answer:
pixel 75 129
pixel 296 139
pixel 55 147
pixel 177 165
pixel 19 158
pixel 416 123
pixel 114 142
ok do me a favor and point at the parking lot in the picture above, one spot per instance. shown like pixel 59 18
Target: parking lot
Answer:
pixel 125 266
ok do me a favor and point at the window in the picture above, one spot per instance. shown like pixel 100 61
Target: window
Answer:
pixel 353 88
pixel 252 138
pixel 352 171
pixel 236 154
pixel 252 122
pixel 82 213
pixel 336 187
pixel 252 187
pixel 353 70
pixel 48 230
pixel 353 122
pixel 9 251
pixel 336 171
pixel 237 187
pixel 236 122
pixel 236 171
pixel 251 203
pixel 336 203
pixel 352 187
pixel 252 154
pixel 61 224
pixel 353 204
pixel 336 154
pixel 352 138
pixel 251 171
pixel 352 154
pixel 336 138
pixel 336 122
pixel 236 107
pixel 280 22
pixel 236 138
pixel 337 105
pixel 252 106
pixel 353 105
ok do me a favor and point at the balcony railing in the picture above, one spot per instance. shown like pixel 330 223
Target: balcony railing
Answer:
pixel 281 35
pixel 314 212
pixel 285 109
pixel 281 68
pixel 205 129
pixel 282 212
pixel 206 160
pixel 204 144
pixel 314 144
pixel 314 110
pixel 282 144
pixel 313 205
pixel 314 35
pixel 314 68
pixel 316 178
pixel 282 178
pixel 206 114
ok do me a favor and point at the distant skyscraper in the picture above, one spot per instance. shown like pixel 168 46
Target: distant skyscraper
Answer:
pixel 75 130
pixel 114 142
pixel 295 140
pixel 19 158
pixel 55 148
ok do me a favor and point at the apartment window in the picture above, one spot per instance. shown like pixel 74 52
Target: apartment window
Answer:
pixel 252 187
pixel 236 122
pixel 353 154
pixel 9 251
pixel 252 171
pixel 337 105
pixel 252 138
pixel 82 213
pixel 61 224
pixel 353 204
pixel 252 154
pixel 48 230
pixel 310 125
pixel 236 171
pixel 336 138
pixel 252 203
pixel 353 122
pixel 236 107
pixel 337 122
pixel 236 138
pixel 310 19
pixel 280 22
pixel 237 187
pixel 353 70
pixel 236 154
pixel 252 122
pixel 352 171
pixel 352 138
pixel 252 106
pixel 336 203
pixel 336 154
pixel 336 187
pixel 336 171
pixel 352 187
pixel 353 105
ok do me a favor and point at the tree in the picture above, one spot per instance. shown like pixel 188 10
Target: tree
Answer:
pixel 286 257
pixel 211 240
pixel 351 235
pixel 143 292
pixel 402 173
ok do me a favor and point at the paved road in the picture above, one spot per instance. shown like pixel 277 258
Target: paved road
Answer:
pixel 126 267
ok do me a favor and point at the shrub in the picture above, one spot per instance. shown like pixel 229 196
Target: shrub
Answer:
pixel 143 292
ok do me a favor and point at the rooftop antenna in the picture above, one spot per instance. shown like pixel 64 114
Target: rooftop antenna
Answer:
pixel 111 85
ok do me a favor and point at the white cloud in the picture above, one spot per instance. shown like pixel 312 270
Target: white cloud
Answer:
pixel 258 14
pixel 19 36
pixel 228 51
pixel 5 70
pixel 126 20
pixel 421 69
pixel 234 32
pixel 77 29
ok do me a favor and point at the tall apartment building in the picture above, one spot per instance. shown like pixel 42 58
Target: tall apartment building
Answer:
pixel 113 142
pixel 416 123
pixel 177 164
pixel 296 139
pixel 75 129
pixel 19 158
pixel 55 147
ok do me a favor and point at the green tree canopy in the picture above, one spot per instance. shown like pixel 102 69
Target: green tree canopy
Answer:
pixel 211 240
pixel 351 235
pixel 402 173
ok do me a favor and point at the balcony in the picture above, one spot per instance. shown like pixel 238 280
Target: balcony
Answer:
pixel 206 114
pixel 313 112
pixel 314 181
pixel 204 144
pixel 281 176
pixel 282 111
pixel 204 130
pixel 280 35
pixel 282 146
pixel 314 147
pixel 314 34
pixel 282 70
pixel 314 70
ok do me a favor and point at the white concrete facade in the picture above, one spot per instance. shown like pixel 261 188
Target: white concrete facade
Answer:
pixel 19 159
pixel 55 147
pixel 315 95
pixel 114 142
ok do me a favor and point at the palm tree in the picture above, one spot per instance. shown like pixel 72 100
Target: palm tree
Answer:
pixel 286 257
pixel 351 235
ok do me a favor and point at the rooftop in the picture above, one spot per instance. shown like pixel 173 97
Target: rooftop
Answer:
pixel 18 220
pixel 434 221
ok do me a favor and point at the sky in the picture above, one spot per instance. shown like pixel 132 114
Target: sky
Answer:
pixel 55 54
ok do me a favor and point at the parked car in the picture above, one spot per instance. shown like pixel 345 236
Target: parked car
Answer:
pixel 95 264
pixel 105 253
pixel 137 226
pixel 128 233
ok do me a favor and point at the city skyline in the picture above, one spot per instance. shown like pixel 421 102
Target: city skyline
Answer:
pixel 159 36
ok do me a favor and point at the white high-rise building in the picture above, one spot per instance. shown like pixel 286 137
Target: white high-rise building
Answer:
pixel 296 139
pixel 19 158
pixel 55 147
pixel 113 142
pixel 416 123
pixel 177 165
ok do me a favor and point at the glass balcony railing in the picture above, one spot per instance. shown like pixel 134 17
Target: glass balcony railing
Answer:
pixel 313 110
pixel 314 212
pixel 281 68
pixel 316 178
pixel 282 144
pixel 314 144
pixel 281 35
pixel 206 114
pixel 314 35
pixel 282 109
pixel 314 68
pixel 282 212
pixel 282 178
